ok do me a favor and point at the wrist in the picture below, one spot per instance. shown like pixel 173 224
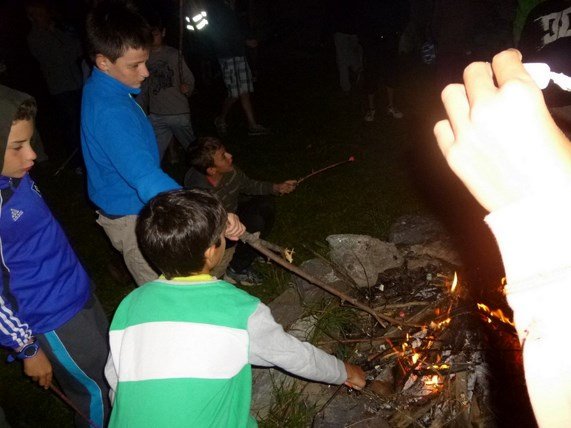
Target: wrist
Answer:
pixel 29 350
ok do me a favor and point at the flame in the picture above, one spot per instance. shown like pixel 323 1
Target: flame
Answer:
pixel 496 313
pixel 415 358
pixel 454 283
pixel 433 381
pixel 436 326
pixel 440 367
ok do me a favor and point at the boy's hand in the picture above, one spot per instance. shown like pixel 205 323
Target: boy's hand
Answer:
pixel 39 369
pixel 355 376
pixel 285 187
pixel 234 229
pixel 499 137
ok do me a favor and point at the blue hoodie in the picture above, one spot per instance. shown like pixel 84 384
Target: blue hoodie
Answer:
pixel 119 147
pixel 43 284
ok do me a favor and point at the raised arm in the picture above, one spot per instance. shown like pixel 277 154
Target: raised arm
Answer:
pixel 503 144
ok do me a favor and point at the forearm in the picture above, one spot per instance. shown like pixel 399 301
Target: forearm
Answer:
pixel 534 237
pixel 270 345
pixel 250 186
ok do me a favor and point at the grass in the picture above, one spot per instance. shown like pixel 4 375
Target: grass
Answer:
pixel 288 407
pixel 313 127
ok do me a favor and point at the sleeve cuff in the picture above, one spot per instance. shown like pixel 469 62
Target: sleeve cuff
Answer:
pixel 534 235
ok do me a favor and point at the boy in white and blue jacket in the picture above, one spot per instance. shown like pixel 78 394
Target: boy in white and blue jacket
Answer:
pixel 49 317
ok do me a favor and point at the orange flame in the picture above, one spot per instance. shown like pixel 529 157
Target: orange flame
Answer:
pixel 496 313
pixel 415 358
pixel 454 283
pixel 433 381
pixel 441 324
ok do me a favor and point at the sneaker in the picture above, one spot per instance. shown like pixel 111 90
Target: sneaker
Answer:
pixel 245 278
pixel 370 116
pixel 221 126
pixel 394 112
pixel 258 130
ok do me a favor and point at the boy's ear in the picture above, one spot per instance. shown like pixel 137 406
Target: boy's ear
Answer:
pixel 209 257
pixel 102 62
pixel 211 170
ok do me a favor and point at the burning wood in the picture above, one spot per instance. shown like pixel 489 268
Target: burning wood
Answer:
pixel 418 339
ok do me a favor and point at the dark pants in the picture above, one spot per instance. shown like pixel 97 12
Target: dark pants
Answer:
pixel 380 62
pixel 78 352
pixel 257 213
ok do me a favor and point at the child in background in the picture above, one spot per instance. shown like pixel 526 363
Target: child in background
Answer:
pixel 49 317
pixel 182 346
pixel 213 169
pixel 165 93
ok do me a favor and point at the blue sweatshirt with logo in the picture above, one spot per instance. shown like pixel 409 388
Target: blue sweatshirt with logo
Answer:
pixel 119 148
pixel 43 282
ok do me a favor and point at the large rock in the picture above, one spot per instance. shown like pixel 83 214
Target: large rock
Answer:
pixel 322 270
pixel 350 410
pixel 362 257
pixel 437 250
pixel 416 229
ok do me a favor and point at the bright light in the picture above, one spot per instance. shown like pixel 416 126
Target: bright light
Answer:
pixel 201 24
pixel 187 18
pixel 197 18
pixel 454 283
pixel 190 27
pixel 203 13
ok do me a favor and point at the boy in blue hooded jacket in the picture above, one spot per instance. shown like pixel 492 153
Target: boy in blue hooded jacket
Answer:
pixel 49 317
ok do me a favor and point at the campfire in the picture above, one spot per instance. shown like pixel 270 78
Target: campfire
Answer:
pixel 420 338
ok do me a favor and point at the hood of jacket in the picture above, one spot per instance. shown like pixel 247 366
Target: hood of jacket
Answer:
pixel 10 100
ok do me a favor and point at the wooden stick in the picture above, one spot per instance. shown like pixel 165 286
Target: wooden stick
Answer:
pixel 351 159
pixel 253 241
pixel 70 403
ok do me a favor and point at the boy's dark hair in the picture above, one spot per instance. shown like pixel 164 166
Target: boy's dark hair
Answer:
pixel 202 157
pixel 155 21
pixel 112 27
pixel 26 111
pixel 175 229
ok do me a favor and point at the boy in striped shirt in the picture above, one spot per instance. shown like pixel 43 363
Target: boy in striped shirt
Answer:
pixel 182 346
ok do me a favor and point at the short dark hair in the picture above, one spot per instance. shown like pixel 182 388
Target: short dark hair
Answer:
pixel 202 157
pixel 112 27
pixel 26 111
pixel 175 229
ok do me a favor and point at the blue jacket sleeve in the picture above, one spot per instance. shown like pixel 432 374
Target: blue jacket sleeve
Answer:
pixel 14 332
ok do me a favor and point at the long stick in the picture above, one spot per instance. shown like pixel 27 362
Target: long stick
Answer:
pixel 64 164
pixel 70 403
pixel 351 159
pixel 254 241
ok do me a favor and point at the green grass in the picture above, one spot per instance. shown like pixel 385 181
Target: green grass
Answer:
pixel 313 127
pixel 288 407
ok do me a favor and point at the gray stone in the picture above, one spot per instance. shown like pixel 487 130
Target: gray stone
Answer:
pixel 362 257
pixel 415 229
pixel 323 271
pixel 440 250
pixel 286 308
pixel 348 410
